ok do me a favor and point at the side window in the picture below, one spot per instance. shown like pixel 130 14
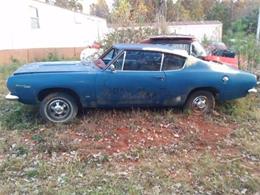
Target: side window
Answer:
pixel 110 55
pixel 142 60
pixel 119 62
pixel 173 62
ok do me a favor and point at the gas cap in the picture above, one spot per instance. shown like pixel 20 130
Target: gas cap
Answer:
pixel 225 79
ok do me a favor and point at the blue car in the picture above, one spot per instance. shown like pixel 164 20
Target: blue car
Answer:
pixel 128 75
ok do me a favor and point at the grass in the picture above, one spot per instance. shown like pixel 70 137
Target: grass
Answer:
pixel 39 158
pixel 14 115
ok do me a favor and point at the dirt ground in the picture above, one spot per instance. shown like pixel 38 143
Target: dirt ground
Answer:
pixel 114 134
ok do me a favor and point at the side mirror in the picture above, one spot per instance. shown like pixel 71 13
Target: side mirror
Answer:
pixel 112 67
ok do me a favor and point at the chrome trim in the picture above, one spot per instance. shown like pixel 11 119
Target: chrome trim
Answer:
pixel 252 90
pixel 113 60
pixel 162 59
pixel 183 67
pixel 123 63
pixel 11 97
pixel 162 53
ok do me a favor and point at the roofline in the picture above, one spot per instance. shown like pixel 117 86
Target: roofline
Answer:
pixel 70 10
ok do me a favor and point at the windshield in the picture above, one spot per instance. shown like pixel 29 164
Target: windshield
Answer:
pixel 198 50
pixel 109 55
pixel 105 58
pixel 100 63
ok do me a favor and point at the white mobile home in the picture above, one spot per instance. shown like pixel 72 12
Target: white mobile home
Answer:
pixel 34 24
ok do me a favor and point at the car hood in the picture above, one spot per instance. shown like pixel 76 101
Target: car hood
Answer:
pixel 60 66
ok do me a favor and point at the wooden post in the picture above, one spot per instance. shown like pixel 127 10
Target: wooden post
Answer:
pixel 258 27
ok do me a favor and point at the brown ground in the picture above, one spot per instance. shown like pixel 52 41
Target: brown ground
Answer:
pixel 109 137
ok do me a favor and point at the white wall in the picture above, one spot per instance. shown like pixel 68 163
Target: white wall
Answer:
pixel 58 27
pixel 212 31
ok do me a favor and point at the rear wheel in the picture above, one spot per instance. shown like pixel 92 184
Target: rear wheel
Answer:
pixel 59 108
pixel 200 102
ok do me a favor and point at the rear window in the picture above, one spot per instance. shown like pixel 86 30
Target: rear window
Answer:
pixel 173 62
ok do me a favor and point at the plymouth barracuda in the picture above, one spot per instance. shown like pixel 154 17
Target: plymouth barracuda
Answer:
pixel 128 75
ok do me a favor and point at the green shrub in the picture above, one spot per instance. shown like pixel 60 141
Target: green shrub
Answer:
pixel 242 109
pixel 53 56
pixel 7 70
pixel 128 35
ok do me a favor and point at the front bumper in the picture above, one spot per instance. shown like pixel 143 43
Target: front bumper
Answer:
pixel 11 97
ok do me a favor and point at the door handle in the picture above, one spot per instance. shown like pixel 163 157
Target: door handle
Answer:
pixel 159 78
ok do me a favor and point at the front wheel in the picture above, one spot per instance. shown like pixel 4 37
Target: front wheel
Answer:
pixel 200 102
pixel 58 108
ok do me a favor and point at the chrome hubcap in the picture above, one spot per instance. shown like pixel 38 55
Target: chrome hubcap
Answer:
pixel 58 109
pixel 200 104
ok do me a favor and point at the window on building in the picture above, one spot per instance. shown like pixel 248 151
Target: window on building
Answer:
pixel 34 16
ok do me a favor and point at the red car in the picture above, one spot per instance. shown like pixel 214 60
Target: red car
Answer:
pixel 189 43
pixel 218 52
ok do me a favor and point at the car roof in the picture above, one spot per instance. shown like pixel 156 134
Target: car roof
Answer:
pixel 151 47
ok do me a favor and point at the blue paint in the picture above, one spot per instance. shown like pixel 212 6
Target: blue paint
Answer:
pixel 97 87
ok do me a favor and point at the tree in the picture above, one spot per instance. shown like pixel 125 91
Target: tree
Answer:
pixel 245 45
pixel 139 12
pixel 248 23
pixel 121 13
pixel 207 6
pixel 219 11
pixel 100 9
pixel 195 9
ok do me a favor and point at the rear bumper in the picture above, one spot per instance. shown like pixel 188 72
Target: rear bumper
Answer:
pixel 11 97
pixel 255 89
pixel 252 90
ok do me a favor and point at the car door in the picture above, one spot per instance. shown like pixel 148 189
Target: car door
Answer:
pixel 178 81
pixel 136 80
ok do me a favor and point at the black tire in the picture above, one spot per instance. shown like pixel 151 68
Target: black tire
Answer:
pixel 58 108
pixel 200 102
